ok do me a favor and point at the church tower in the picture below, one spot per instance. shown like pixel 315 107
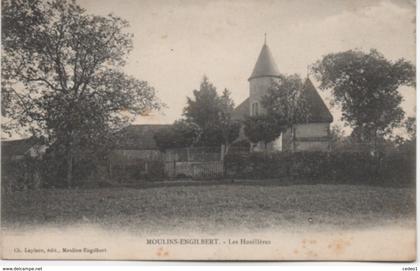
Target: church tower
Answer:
pixel 311 135
pixel 264 72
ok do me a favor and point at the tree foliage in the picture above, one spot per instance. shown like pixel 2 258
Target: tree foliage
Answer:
pixel 410 127
pixel 285 106
pixel 365 85
pixel 285 102
pixel 204 108
pixel 262 128
pixel 408 144
pixel 337 136
pixel 229 128
pixel 62 75
pixel 213 114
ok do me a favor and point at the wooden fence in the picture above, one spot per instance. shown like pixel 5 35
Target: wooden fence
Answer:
pixel 195 162
pixel 196 170
pixel 198 162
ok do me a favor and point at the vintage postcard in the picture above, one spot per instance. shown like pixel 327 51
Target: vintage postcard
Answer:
pixel 208 130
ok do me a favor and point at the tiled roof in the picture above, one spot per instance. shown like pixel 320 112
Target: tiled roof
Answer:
pixel 265 66
pixel 139 137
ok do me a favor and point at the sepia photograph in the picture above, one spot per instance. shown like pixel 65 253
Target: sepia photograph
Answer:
pixel 211 130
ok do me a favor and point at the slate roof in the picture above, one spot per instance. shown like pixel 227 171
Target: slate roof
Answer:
pixel 318 111
pixel 241 110
pixel 139 137
pixel 265 66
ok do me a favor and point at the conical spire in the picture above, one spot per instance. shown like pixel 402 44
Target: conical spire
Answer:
pixel 265 66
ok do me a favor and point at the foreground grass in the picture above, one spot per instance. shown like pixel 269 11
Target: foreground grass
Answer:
pixel 213 207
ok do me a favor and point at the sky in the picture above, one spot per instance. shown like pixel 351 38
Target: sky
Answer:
pixel 177 42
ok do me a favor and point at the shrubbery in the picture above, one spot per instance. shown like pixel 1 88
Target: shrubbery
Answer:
pixel 53 169
pixel 21 174
pixel 324 167
pixel 137 172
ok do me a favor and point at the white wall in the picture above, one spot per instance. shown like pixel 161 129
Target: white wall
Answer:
pixel 277 144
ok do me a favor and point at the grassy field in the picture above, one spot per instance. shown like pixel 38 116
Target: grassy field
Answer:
pixel 213 206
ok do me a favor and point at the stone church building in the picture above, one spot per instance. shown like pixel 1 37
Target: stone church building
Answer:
pixel 313 135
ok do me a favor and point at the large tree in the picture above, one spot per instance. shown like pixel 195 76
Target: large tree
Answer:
pixel 410 127
pixel 203 109
pixel 365 85
pixel 285 106
pixel 62 76
pixel 285 101
pixel 262 128
pixel 213 114
pixel 228 127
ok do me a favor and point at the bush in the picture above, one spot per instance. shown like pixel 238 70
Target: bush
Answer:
pixel 135 172
pixel 54 170
pixel 326 167
pixel 21 174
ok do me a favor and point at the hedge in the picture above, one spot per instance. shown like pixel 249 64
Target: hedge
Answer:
pixel 334 167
